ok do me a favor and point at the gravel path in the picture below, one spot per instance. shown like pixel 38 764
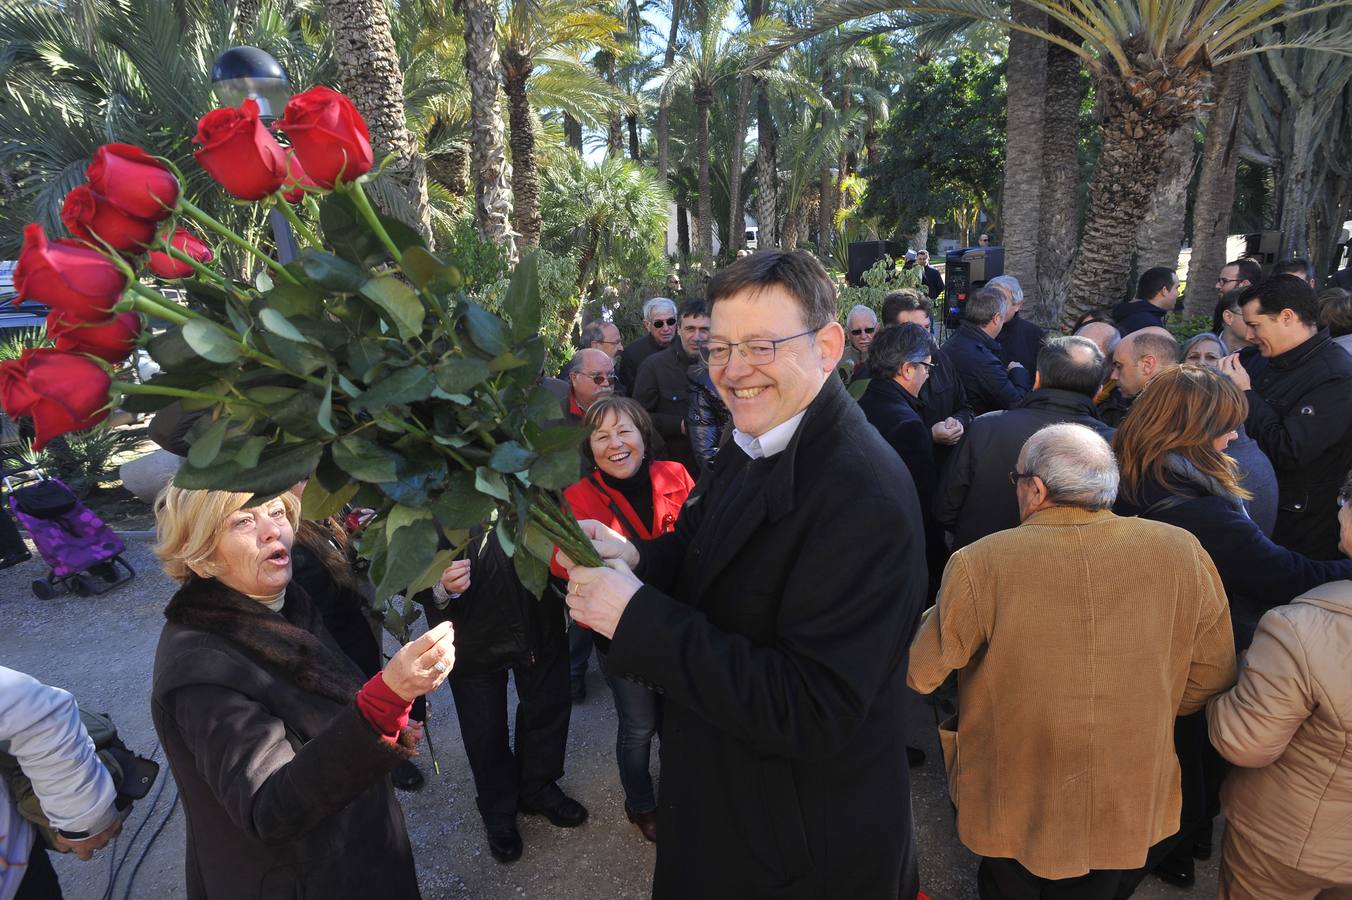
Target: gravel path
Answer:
pixel 102 650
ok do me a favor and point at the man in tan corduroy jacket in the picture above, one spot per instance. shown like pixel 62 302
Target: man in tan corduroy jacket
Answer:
pixel 1077 637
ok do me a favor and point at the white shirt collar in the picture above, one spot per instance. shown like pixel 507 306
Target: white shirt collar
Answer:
pixel 770 443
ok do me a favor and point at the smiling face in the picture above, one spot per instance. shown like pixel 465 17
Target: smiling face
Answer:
pixel 769 394
pixel 1274 334
pixel 253 555
pixel 617 445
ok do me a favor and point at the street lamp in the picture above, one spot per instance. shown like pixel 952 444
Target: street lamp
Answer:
pixel 247 73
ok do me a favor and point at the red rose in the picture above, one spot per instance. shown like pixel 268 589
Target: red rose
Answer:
pixel 113 340
pixel 63 392
pixel 134 181
pixel 239 152
pixel 90 216
pixel 166 266
pixel 81 284
pixel 329 136
pixel 296 180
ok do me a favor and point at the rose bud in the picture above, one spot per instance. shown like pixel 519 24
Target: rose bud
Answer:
pixel 112 341
pixel 63 392
pixel 293 191
pixel 166 266
pixel 80 284
pixel 134 181
pixel 91 217
pixel 239 152
pixel 328 135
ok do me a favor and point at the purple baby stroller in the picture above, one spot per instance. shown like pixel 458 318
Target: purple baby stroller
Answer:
pixel 84 554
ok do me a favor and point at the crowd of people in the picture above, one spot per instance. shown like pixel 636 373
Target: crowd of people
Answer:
pixel 1125 558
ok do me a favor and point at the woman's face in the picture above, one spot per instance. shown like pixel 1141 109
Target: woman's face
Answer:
pixel 617 445
pixel 1224 440
pixel 1206 354
pixel 253 555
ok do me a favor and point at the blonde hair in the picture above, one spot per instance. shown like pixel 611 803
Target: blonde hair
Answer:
pixel 188 525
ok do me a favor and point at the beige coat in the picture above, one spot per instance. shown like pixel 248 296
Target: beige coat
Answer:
pixel 1078 637
pixel 1288 722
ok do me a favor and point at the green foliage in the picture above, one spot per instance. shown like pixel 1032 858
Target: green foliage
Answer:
pixel 944 144
pixel 558 298
pixel 15 341
pixel 1182 327
pixel 81 459
pixel 880 280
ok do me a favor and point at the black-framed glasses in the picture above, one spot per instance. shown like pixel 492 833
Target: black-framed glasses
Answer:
pixel 759 352
pixel 664 323
pixel 598 378
pixel 1229 280
pixel 927 365
pixel 1016 476
pixel 858 331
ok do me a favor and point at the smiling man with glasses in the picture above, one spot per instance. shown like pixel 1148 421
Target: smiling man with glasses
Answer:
pixel 775 630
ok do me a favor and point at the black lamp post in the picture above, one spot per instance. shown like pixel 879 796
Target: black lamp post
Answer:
pixel 247 73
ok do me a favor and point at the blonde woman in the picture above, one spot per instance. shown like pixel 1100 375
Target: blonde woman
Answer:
pixel 281 754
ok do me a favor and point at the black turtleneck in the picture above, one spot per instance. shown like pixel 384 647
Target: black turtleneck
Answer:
pixel 638 490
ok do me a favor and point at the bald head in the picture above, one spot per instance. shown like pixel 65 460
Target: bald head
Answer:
pixel 1070 364
pixel 1140 356
pixel 1102 333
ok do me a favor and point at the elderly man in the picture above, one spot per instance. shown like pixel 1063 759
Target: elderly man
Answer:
pixel 860 326
pixel 1070 676
pixel 604 336
pixel 783 722
pixel 975 353
pixel 1136 360
pixel 976 498
pixel 659 320
pixel 1019 338
pixel 929 276
pixel 1156 295
pixel 591 374
pixel 663 386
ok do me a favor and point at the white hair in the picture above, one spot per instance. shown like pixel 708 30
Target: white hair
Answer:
pixel 862 309
pixel 656 303
pixel 1075 463
pixel 1009 283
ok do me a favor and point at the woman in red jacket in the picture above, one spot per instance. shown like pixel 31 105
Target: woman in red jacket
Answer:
pixel 639 497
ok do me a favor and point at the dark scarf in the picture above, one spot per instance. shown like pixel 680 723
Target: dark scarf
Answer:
pixel 637 489
pixel 287 642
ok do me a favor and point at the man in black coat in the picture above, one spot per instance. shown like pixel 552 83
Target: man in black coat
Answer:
pixel 1300 410
pixel 975 354
pixel 929 276
pixel 659 320
pixel 1156 295
pixel 777 635
pixel 663 385
pixel 942 401
pixel 1019 339
pixel 976 498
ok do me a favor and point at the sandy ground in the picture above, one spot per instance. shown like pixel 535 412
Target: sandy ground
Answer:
pixel 102 650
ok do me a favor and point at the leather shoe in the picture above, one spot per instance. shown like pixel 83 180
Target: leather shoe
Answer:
pixel 915 757
pixel 561 810
pixel 646 822
pixel 1178 872
pixel 504 842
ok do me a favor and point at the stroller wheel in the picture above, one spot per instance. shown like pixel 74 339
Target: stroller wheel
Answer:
pixel 42 589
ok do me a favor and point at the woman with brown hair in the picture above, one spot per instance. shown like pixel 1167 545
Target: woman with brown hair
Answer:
pixel 1174 468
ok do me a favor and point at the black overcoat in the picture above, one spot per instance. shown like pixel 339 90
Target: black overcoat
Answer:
pixel 781 651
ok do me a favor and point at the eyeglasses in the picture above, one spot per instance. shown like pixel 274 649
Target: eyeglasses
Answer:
pixel 858 331
pixel 663 323
pixel 598 378
pixel 757 352
pixel 1016 476
pixel 927 365
pixel 1229 280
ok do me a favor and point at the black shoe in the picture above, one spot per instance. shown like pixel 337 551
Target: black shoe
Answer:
pixel 646 822
pixel 1201 846
pixel 407 777
pixel 1181 873
pixel 561 810
pixel 915 757
pixel 577 689
pixel 504 842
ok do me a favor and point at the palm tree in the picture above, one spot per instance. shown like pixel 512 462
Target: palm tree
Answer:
pixel 663 129
pixel 488 153
pixel 1151 64
pixel 1026 80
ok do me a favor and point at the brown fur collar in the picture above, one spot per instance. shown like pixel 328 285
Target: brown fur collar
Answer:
pixel 288 642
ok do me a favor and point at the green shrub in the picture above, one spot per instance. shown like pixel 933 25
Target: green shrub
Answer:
pixel 879 281
pixel 81 459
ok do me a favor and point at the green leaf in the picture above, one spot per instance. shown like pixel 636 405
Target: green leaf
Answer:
pixel 207 447
pixel 556 470
pixel 440 563
pixel 509 456
pixel 460 374
pixel 505 537
pixel 347 233
pixel 486 481
pixel 504 362
pixel 534 574
pixel 421 469
pixel 249 452
pixel 407 385
pixel 279 467
pixel 278 324
pixel 173 353
pixel 486 330
pixel 560 437
pixel 412 549
pixel 543 407
pixel 304 358
pixel 402 516
pixel 331 272
pixel 270 394
pixel 295 300
pixel 263 281
pixel 365 355
pixel 521 306
pixel 365 460
pixel 319 503
pixel 423 268
pixel 209 341
pixel 461 505
pixel 325 416
pixel 398 301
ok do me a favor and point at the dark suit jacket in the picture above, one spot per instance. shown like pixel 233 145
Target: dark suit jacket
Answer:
pixel 988 384
pixel 782 652
pixel 663 389
pixel 633 356
pixel 1020 340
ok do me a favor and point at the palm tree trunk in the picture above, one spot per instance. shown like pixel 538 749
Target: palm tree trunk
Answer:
pixel 1294 219
pixel 824 204
pixel 682 231
pixel 767 175
pixel 704 234
pixel 631 121
pixel 572 132
pixel 1026 77
pixel 516 68
pixel 246 16
pixel 663 114
pixel 1216 186
pixel 1059 198
pixel 584 264
pixel 492 188
pixel 450 169
pixel 843 157
pixel 736 212
pixel 615 126
pixel 1160 233
pixel 368 66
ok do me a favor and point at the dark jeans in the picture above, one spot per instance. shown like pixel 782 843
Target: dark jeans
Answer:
pixel 503 778
pixel 639 711
pixel 579 650
pixel 40 882
pixel 1006 879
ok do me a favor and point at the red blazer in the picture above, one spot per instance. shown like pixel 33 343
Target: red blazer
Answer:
pixel 590 498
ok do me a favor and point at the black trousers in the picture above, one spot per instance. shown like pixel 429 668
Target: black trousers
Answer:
pixel 40 882
pixel 504 776
pixel 1006 879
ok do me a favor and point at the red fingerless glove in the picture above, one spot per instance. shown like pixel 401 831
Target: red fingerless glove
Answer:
pixel 383 708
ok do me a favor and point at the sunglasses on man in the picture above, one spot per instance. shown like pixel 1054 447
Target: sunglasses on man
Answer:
pixel 858 331
pixel 599 379
pixel 663 323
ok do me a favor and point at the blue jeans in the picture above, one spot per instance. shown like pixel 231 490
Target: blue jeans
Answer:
pixel 579 650
pixel 639 711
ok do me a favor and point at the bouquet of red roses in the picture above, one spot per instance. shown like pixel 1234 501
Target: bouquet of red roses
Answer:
pixel 362 366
